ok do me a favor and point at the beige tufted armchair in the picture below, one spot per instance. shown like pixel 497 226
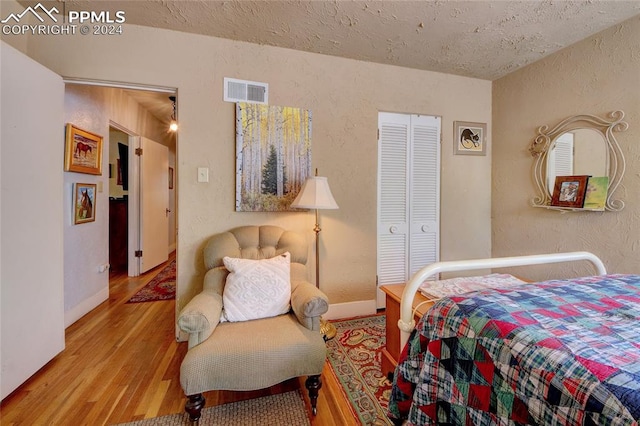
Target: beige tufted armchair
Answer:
pixel 259 353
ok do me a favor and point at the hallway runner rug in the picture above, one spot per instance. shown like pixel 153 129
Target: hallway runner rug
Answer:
pixel 355 356
pixel 161 287
pixel 285 409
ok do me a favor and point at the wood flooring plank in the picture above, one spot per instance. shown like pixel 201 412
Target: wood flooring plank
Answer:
pixel 156 401
pixel 157 378
pixel 121 363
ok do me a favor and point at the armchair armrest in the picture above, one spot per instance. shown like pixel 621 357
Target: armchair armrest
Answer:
pixel 308 304
pixel 201 316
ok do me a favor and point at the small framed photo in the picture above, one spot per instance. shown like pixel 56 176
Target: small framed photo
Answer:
pixel 170 177
pixel 83 151
pixel 84 203
pixel 469 138
pixel 569 191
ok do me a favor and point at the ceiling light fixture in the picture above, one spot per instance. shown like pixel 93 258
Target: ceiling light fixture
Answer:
pixel 174 124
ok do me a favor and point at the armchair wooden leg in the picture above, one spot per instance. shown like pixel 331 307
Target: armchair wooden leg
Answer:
pixel 313 384
pixel 194 406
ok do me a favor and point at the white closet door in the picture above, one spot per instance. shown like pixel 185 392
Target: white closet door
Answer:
pixel 560 158
pixel 393 195
pixel 424 205
pixel 408 196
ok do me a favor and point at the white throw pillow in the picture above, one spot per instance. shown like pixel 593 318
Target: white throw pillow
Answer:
pixel 257 288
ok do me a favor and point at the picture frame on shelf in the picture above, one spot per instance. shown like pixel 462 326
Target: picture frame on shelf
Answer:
pixel 83 151
pixel 597 191
pixel 469 138
pixel 84 203
pixel 569 191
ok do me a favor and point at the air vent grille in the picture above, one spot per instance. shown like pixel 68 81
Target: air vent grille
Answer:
pixel 245 91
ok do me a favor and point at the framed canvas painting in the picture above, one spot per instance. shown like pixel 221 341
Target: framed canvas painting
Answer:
pixel 273 156
pixel 84 203
pixel 83 151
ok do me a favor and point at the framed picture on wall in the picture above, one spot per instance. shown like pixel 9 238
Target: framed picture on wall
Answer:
pixel 84 203
pixel 170 177
pixel 569 191
pixel 83 151
pixel 469 138
pixel 118 172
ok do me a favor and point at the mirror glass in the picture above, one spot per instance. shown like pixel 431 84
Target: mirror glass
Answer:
pixel 577 152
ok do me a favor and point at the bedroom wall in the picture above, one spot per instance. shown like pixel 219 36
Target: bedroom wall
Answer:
pixel 595 76
pixel 344 96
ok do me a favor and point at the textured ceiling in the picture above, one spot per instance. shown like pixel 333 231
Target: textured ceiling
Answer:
pixel 480 39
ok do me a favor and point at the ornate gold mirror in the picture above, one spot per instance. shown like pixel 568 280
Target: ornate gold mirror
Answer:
pixel 579 145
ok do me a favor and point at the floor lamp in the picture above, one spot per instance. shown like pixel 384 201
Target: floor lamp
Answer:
pixel 315 194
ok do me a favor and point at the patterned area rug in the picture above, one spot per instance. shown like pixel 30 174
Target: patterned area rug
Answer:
pixel 285 409
pixel 355 359
pixel 161 287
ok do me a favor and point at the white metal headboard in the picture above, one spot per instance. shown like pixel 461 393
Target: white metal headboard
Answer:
pixel 406 322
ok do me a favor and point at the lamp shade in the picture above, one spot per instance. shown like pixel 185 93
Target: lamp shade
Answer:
pixel 315 194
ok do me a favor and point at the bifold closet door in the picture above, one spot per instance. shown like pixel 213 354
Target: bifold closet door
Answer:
pixel 408 195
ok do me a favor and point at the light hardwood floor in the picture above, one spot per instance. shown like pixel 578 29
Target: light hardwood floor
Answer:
pixel 121 363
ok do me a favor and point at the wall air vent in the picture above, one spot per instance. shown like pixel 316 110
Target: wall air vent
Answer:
pixel 245 91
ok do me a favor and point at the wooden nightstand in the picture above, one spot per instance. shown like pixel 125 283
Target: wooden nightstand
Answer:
pixel 391 351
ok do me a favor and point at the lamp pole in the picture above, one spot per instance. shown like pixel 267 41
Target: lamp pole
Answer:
pixel 315 194
pixel 317 230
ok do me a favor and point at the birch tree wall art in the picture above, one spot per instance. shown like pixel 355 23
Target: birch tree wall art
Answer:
pixel 273 156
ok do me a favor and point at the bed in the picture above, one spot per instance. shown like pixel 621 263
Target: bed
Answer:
pixel 559 352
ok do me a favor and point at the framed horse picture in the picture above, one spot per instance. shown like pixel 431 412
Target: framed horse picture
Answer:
pixel 84 203
pixel 83 151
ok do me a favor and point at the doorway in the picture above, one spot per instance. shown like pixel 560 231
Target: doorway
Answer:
pixel 122 113
pixel 141 202
pixel 118 200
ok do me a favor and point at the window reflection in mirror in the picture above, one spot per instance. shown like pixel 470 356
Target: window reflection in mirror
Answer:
pixel 577 152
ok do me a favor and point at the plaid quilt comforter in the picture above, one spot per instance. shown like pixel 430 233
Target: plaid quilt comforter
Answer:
pixel 552 353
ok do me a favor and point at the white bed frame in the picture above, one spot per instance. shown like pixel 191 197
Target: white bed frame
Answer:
pixel 406 322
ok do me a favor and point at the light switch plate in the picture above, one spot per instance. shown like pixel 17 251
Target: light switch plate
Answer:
pixel 203 174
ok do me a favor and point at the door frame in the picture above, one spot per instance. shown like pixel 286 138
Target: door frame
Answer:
pixel 134 168
pixel 133 201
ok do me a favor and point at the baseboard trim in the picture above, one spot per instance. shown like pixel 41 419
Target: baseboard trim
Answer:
pixel 84 307
pixel 350 309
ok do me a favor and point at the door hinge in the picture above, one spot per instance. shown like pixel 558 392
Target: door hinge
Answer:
pixel 378 133
pixel 138 253
pixel 138 151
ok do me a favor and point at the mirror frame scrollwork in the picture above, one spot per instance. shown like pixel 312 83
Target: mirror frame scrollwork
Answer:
pixel 543 142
